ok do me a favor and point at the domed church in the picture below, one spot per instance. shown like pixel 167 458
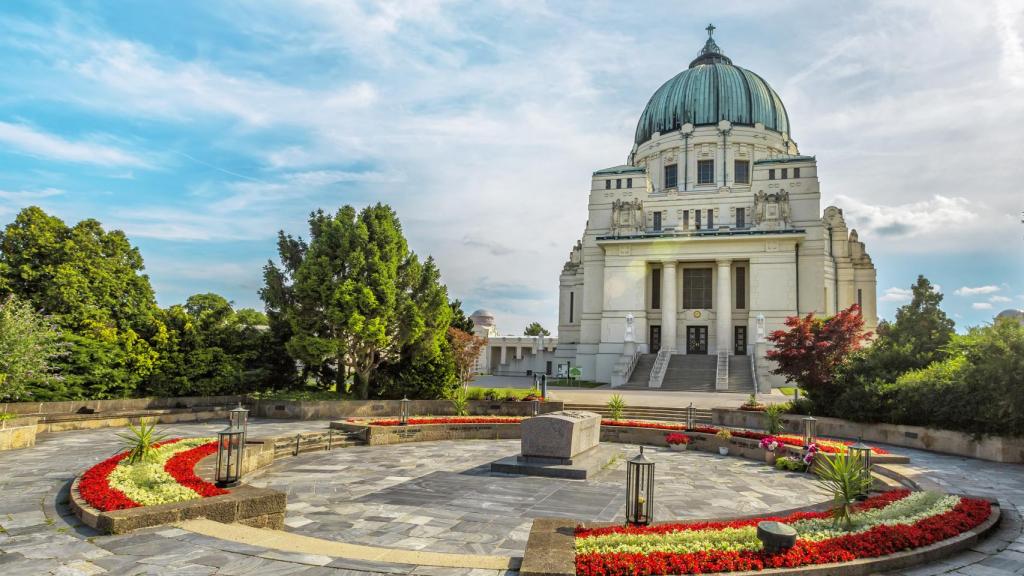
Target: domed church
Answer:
pixel 704 241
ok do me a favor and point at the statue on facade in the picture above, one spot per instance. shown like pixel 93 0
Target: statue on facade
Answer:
pixel 629 336
pixel 627 217
pixel 760 328
pixel 783 200
pixel 760 199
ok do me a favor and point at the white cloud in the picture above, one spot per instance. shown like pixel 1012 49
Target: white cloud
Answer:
pixel 976 290
pixel 981 306
pixel 28 140
pixel 13 200
pixel 895 294
pixel 1000 299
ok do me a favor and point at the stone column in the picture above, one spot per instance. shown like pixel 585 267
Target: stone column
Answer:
pixel 723 306
pixel 669 307
pixel 504 356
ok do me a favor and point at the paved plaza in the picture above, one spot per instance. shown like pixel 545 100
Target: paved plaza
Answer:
pixel 435 496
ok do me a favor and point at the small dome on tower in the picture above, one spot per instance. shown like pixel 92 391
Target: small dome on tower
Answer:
pixel 482 317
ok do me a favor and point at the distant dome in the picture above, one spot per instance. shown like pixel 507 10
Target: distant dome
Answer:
pixel 1012 313
pixel 712 89
pixel 482 318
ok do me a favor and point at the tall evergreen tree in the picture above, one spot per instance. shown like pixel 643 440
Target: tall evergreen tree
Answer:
pixel 355 296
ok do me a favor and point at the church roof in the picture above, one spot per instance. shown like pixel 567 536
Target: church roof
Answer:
pixel 786 158
pixel 712 89
pixel 621 169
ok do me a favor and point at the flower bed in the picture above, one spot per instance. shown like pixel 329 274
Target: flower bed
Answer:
pixel 114 484
pixel 882 525
pixel 442 420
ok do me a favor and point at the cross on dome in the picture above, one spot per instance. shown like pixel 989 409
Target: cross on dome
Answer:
pixel 711 30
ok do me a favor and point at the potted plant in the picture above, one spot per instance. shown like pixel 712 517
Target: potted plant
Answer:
pixel 770 444
pixel 725 436
pixel 677 442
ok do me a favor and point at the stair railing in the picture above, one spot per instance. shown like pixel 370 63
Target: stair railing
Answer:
pixel 659 369
pixel 722 373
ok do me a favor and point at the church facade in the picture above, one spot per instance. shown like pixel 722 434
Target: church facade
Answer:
pixel 705 240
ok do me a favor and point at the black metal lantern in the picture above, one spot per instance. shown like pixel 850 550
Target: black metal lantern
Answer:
pixel 861 451
pixel 403 413
pixel 810 430
pixel 691 417
pixel 239 418
pixel 230 448
pixel 639 490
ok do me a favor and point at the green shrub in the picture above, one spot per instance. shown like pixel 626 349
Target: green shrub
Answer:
pixel 843 476
pixel 460 401
pixel 616 406
pixel 773 417
pixel 790 464
pixel 475 393
pixel 139 441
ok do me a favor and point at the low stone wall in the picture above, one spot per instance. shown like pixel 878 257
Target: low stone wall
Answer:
pixel 130 404
pixel 550 551
pixel 113 420
pixel 335 409
pixel 17 433
pixel 381 435
pixel 994 448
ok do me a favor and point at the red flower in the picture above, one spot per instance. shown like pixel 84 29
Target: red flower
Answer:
pixel 445 420
pixel 182 465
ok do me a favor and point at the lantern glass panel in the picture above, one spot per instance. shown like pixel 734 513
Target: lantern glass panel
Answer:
pixel 639 490
pixel 403 413
pixel 239 418
pixel 863 452
pixel 230 447
pixel 810 430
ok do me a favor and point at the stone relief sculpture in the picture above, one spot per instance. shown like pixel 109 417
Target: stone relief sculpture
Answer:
pixel 627 217
pixel 771 211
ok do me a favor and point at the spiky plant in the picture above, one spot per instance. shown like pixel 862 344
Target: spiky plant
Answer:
pixel 843 476
pixel 460 401
pixel 773 418
pixel 616 406
pixel 139 441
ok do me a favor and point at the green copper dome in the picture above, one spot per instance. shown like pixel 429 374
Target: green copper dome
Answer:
pixel 710 90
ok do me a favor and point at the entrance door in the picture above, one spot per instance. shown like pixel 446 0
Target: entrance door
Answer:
pixel 739 341
pixel 696 339
pixel 655 339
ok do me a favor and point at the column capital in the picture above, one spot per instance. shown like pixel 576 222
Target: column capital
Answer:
pixel 724 262
pixel 669 263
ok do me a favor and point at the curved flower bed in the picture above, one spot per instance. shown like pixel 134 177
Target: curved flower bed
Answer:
pixel 116 485
pixel 444 420
pixel 882 525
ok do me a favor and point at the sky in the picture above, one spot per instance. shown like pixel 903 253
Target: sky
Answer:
pixel 201 129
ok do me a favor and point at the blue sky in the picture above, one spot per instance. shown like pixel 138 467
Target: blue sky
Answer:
pixel 202 128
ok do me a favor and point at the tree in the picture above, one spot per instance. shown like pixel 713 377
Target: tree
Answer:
pixel 355 296
pixel 459 318
pixel 535 329
pixel 812 348
pixel 466 350
pixel 29 344
pixel 921 328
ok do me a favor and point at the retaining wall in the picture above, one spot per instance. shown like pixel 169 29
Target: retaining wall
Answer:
pixel 17 433
pixel 994 448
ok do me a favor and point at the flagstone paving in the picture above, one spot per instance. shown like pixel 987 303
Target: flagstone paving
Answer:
pixel 436 497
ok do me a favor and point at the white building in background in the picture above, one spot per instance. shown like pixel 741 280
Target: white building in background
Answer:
pixel 512 355
pixel 708 237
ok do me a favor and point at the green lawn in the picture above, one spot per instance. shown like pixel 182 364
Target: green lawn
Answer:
pixel 563 383
pixel 788 390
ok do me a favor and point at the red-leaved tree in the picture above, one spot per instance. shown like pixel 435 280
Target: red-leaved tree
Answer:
pixel 811 348
pixel 466 349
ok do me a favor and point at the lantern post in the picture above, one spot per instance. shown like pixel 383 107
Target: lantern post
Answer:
pixel 691 417
pixel 403 414
pixel 639 490
pixel 238 417
pixel 230 448
pixel 862 452
pixel 810 430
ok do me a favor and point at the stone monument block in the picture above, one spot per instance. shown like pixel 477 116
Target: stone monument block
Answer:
pixel 560 435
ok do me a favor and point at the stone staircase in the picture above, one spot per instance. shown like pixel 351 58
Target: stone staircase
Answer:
pixel 641 373
pixel 740 378
pixel 691 373
pixel 701 415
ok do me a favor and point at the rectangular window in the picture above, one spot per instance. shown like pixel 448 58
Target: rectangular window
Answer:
pixel 860 300
pixel 671 176
pixel 796 172
pixel 656 288
pixel 572 302
pixel 657 221
pixel 785 173
pixel 741 288
pixel 697 288
pixel 771 174
pixel 741 217
pixel 686 219
pixel 629 182
pixel 742 172
pixel 705 171
pixel 696 221
pixel 618 183
pixel 711 219
pixel 607 184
